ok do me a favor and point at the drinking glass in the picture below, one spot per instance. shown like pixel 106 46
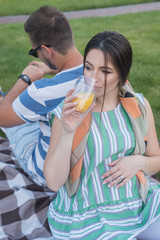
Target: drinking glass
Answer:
pixel 84 90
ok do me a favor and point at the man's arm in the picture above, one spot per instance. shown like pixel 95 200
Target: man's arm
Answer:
pixel 8 118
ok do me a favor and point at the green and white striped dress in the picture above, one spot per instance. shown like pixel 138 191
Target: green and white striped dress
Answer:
pixel 96 211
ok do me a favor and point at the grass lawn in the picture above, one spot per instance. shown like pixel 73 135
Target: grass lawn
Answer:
pixel 21 7
pixel 142 30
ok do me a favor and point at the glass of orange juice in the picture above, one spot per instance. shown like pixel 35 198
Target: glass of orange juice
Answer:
pixel 84 90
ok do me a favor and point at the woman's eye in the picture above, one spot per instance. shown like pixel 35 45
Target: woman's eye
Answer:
pixel 87 68
pixel 106 71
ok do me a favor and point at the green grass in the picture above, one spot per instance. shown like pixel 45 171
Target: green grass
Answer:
pixel 20 7
pixel 142 30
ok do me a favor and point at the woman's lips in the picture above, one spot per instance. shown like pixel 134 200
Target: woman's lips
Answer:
pixel 96 88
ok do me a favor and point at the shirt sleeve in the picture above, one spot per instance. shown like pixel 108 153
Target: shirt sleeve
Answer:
pixel 35 102
pixel 57 112
pixel 44 95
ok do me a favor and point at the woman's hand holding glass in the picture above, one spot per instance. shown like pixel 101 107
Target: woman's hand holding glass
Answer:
pixel 78 102
pixel 70 118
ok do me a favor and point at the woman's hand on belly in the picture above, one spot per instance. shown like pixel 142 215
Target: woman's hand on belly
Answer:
pixel 122 170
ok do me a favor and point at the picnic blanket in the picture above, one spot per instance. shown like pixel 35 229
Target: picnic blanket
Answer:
pixel 23 203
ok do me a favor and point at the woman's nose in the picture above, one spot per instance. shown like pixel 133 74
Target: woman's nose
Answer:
pixel 94 75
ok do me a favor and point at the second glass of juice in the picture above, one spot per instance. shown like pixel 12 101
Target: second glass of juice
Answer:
pixel 84 90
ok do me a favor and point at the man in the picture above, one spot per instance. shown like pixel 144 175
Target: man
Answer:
pixel 28 103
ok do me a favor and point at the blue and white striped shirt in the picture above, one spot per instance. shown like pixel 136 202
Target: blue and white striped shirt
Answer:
pixel 36 102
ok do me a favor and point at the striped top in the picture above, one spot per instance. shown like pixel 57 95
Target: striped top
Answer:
pixel 96 210
pixel 36 102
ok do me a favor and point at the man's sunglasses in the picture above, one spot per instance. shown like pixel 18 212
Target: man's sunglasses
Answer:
pixel 33 52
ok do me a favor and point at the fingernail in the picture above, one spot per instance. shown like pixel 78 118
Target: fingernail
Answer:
pixel 104 182
pixel 102 177
pixel 109 185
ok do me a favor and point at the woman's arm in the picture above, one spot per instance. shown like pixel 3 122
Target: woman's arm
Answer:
pixel 152 155
pixel 57 163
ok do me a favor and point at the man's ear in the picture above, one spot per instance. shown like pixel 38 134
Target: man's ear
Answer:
pixel 48 50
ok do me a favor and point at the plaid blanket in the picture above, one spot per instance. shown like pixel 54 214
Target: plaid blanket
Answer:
pixel 23 203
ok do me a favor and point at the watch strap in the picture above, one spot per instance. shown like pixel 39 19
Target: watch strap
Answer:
pixel 25 78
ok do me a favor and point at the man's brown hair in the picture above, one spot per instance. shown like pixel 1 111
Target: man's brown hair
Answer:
pixel 49 26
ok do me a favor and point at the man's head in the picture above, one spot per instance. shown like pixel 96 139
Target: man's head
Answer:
pixel 48 26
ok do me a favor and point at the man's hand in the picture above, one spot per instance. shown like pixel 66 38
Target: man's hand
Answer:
pixel 33 72
pixel 43 67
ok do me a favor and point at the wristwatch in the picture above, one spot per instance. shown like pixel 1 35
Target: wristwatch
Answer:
pixel 25 78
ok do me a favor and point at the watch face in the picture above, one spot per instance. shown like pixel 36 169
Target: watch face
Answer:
pixel 26 78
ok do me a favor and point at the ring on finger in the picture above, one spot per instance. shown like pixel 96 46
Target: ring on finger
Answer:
pixel 121 177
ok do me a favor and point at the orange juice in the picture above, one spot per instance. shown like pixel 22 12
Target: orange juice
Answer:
pixel 83 101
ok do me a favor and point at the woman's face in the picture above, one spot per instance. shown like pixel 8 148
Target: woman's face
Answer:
pixel 95 68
